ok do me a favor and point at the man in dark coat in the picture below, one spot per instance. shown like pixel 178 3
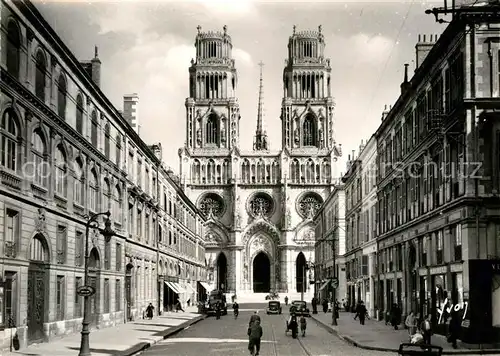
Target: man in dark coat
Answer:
pixel 255 316
pixel 314 303
pixel 454 328
pixel 361 312
pixel 217 310
pixel 325 305
pixel 254 336
pixel 395 316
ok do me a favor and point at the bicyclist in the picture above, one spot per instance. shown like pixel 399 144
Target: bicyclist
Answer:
pixel 236 309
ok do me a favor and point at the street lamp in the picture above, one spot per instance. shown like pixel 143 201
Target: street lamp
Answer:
pixel 307 266
pixel 86 290
pixel 331 241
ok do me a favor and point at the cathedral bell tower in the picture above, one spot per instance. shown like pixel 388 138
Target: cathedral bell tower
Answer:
pixel 212 110
pixel 307 106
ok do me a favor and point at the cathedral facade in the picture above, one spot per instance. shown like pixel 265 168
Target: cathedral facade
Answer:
pixel 259 203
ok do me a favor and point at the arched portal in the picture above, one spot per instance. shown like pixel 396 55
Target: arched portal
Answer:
pixel 261 273
pixel 300 273
pixel 222 272
pixel 94 276
pixel 128 290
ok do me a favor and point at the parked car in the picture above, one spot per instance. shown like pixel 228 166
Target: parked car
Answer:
pixel 299 308
pixel 214 297
pixel 273 307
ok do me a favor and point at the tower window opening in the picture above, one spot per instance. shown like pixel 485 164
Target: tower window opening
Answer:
pixel 310 137
pixel 207 86
pixel 212 129
pixel 307 49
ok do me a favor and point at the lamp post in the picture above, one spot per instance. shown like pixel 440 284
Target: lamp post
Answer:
pixel 87 291
pixel 308 265
pixel 331 241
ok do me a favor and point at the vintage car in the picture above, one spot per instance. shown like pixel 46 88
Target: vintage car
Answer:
pixel 214 297
pixel 273 307
pixel 299 308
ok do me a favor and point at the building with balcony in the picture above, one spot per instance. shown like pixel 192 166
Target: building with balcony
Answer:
pixel 438 180
pixel 67 153
pixel 330 246
pixel 361 207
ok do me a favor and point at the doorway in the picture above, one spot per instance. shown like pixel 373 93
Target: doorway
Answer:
pixel 128 291
pixel 222 272
pixel 94 279
pixel 261 273
pixel 300 273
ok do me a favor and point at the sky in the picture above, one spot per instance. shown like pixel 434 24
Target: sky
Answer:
pixel 146 47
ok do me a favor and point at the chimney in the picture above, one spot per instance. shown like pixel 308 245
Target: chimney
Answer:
pixel 423 47
pixel 361 147
pixel 131 110
pixel 385 112
pixel 93 67
pixel 406 84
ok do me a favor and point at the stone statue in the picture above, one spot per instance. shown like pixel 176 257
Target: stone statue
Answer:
pixel 198 136
pixel 288 223
pixel 264 142
pixel 245 271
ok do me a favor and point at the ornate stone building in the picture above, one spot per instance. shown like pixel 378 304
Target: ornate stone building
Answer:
pixel 67 153
pixel 259 203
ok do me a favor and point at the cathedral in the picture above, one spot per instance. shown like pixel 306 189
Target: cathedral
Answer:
pixel 259 203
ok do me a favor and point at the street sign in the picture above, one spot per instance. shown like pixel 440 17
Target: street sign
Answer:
pixel 85 291
pixel 335 282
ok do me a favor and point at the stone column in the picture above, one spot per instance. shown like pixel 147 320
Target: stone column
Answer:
pixel 371 258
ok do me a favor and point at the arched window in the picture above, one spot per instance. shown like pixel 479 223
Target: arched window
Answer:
pixel 94 191
pixel 212 129
pixel 61 96
pixel 9 133
pixel 79 186
pixel 38 149
pixel 93 129
pixel 117 206
pixel 118 149
pixel 61 166
pixel 107 131
pixel 309 130
pixel 79 113
pixel 41 68
pixel 106 195
pixel 13 48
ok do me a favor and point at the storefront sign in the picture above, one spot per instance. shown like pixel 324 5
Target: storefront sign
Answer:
pixel 455 307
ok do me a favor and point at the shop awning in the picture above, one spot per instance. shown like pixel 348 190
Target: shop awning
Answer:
pixel 324 285
pixel 206 286
pixel 189 288
pixel 176 287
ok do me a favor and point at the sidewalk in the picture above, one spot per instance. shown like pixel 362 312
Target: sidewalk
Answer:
pixel 375 335
pixel 121 340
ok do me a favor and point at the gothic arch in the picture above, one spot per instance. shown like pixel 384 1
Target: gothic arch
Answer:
pixel 303 230
pixel 309 130
pixel 66 149
pixel 212 126
pixel 44 239
pixel 17 116
pixel 218 228
pixel 261 225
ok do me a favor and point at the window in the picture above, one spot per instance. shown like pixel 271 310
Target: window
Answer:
pixel 61 238
pixel 139 223
pixel 61 180
pixel 61 96
pixel 117 205
pixel 146 223
pixel 79 252
pixel 79 113
pixel 106 295
pixel 170 237
pixel 439 247
pixel 9 133
pixel 118 295
pixel 78 303
pixel 118 257
pixel 13 48
pixel 424 251
pixel 107 254
pixel 107 131
pixel 309 131
pixel 12 232
pixel 118 150
pixel 130 218
pixel 7 301
pixel 458 242
pixel 79 186
pixel 40 69
pixel 39 152
pixel 93 129
pixel 139 173
pixel 60 298
pixel 106 195
pixel 212 129
pixel 94 191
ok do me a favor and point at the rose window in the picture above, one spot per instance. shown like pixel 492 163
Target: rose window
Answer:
pixel 212 205
pixel 309 205
pixel 261 205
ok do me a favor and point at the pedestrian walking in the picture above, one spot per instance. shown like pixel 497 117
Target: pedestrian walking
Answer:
pixel 149 311
pixel 255 316
pixel 454 327
pixel 411 324
pixel 314 303
pixel 361 312
pixel 286 300
pixel 254 337
pixel 178 306
pixel 426 328
pixel 236 309
pixel 303 325
pixel 325 305
pixel 395 316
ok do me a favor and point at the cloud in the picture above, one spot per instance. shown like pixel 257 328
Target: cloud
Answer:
pixel 229 7
pixel 242 57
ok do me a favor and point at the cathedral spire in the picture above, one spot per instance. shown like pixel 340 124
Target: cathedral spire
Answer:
pixel 260 141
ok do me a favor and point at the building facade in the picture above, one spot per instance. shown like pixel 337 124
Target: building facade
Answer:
pixel 361 208
pixel 438 207
pixel 260 203
pixel 67 153
pixel 330 247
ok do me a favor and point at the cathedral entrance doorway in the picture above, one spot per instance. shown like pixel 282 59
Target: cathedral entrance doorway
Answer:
pixel 261 273
pixel 300 272
pixel 222 272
